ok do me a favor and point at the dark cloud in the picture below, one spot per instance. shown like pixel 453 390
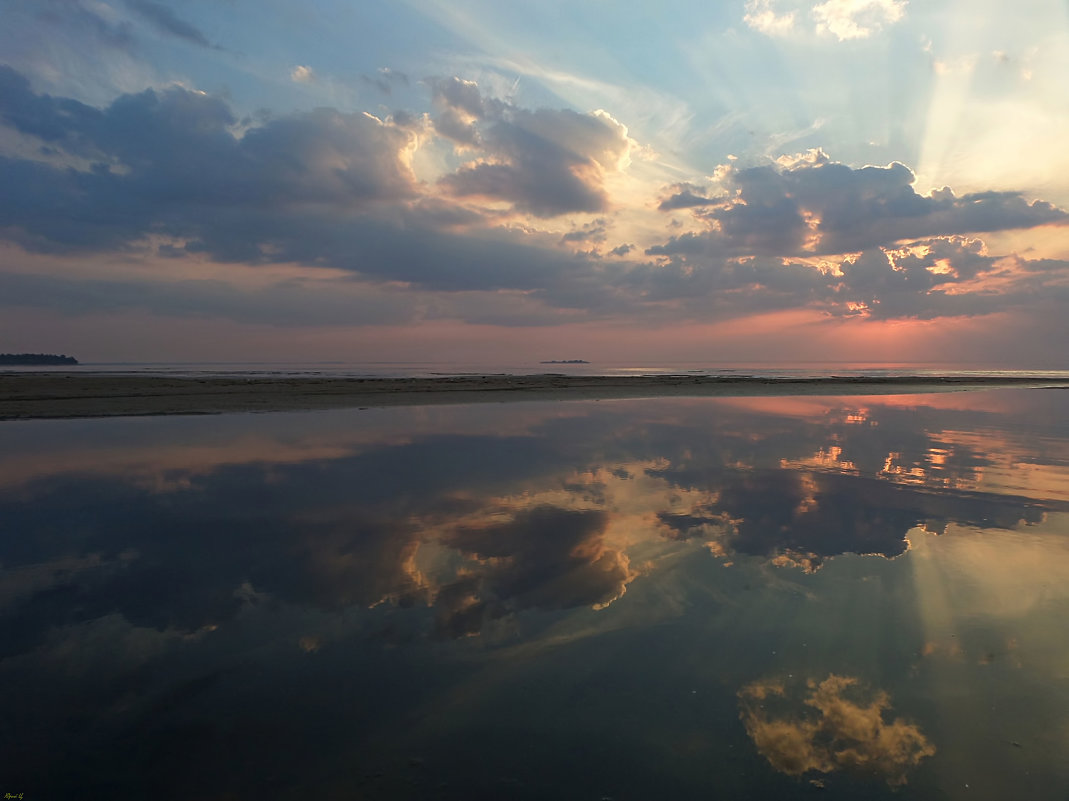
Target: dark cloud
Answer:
pixel 169 162
pixel 813 205
pixel 942 278
pixel 61 122
pixel 539 175
pixel 687 196
pixel 546 161
pixel 463 96
pixel 730 286
pixel 164 20
pixel 386 250
pixel 949 276
pixel 593 231
pixel 461 130
pixel 285 303
pixel 460 106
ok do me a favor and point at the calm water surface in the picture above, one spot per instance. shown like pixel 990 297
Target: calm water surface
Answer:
pixel 680 598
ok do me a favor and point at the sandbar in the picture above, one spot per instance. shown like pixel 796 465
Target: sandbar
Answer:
pixel 42 395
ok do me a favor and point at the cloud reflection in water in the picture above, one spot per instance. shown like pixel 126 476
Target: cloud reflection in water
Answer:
pixel 632 560
pixel 830 725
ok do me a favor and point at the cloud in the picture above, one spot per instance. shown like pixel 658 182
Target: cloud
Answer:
pixel 925 279
pixel 303 74
pixel 169 162
pixel 945 277
pixel 164 20
pixel 856 19
pixel 176 172
pixel 687 196
pixel 545 161
pixel 385 79
pixel 461 106
pixel 321 188
pixel 74 15
pixel 285 303
pixel 59 122
pixel 843 19
pixel 593 231
pixel 463 95
pixel 809 204
pixel 762 17
pixel 829 726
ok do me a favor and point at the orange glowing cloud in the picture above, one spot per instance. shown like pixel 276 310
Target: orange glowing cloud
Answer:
pixel 832 725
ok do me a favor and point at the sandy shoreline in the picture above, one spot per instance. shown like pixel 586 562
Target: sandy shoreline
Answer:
pixel 58 395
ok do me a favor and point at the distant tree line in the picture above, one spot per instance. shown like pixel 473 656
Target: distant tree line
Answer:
pixel 36 358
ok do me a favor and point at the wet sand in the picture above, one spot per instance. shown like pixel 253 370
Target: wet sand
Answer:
pixel 58 395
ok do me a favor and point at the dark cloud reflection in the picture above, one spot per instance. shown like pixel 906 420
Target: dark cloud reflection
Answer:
pixel 544 558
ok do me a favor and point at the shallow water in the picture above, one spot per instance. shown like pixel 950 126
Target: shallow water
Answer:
pixel 679 598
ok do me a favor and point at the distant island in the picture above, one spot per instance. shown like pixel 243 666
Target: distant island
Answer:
pixel 35 359
pixel 566 361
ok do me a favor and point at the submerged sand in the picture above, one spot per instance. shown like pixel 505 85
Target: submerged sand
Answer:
pixel 56 395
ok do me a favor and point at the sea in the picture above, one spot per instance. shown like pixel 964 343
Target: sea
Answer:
pixel 777 597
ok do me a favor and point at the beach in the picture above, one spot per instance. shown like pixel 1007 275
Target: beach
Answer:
pixel 69 395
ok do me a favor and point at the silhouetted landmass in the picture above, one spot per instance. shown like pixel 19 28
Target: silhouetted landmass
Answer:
pixel 36 359
pixel 47 394
pixel 566 361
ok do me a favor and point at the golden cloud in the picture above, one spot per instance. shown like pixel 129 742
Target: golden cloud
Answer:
pixel 836 724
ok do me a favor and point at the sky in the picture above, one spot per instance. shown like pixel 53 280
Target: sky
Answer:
pixel 483 182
